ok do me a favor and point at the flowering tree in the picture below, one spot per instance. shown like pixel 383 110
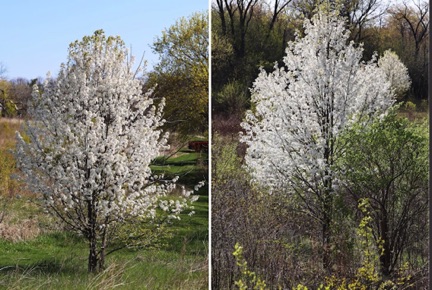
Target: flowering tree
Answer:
pixel 89 143
pixel 396 72
pixel 301 108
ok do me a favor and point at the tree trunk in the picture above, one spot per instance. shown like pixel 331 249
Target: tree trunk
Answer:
pixel 92 238
pixel 92 260
pixel 326 241
pixel 386 257
pixel 102 252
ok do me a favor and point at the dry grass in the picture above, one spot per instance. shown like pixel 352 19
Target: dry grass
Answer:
pixel 8 127
pixel 227 126
pixel 15 224
pixel 11 120
pixel 110 278
pixel 27 229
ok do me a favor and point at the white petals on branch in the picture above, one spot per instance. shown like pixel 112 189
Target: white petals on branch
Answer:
pixel 91 139
pixel 301 108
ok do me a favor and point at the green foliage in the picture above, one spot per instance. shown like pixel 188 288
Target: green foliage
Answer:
pixel 232 99
pixel 409 106
pixel 386 163
pixel 10 109
pixel 248 280
pixel 368 273
pixel 182 74
pixel 226 164
pixel 184 44
pixel 222 54
pixel 300 287
pixel 7 105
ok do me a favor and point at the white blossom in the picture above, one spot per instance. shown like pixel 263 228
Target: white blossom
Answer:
pixel 300 108
pixel 396 72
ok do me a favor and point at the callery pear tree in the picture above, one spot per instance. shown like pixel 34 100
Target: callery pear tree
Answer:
pixel 300 109
pixel 89 143
pixel 396 72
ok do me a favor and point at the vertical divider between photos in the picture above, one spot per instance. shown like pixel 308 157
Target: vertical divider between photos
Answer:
pixel 430 145
pixel 209 184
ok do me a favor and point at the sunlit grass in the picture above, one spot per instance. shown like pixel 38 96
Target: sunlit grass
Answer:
pixel 58 261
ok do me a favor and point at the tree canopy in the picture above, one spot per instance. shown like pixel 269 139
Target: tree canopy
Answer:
pixel 182 74
pixel 386 164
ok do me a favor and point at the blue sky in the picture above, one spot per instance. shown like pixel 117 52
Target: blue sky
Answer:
pixel 35 35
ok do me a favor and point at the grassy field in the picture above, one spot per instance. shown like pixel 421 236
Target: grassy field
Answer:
pixel 37 254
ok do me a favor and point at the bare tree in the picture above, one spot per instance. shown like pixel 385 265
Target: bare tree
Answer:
pixel 407 26
pixel 242 10
pixel 3 70
pixel 359 13
pixel 414 21
pixel 363 13
pixel 278 8
pixel 20 92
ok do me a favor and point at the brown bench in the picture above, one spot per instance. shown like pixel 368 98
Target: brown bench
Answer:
pixel 198 146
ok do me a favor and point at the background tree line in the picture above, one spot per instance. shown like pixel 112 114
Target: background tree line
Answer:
pixel 14 96
pixel 248 34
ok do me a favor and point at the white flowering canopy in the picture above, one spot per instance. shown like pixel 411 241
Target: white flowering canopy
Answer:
pixel 396 72
pixel 299 109
pixel 91 138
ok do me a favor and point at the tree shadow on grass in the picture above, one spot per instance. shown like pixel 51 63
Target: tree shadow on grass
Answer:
pixel 49 266
pixel 53 253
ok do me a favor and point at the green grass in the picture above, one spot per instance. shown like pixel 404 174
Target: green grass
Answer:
pixel 191 168
pixel 58 260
